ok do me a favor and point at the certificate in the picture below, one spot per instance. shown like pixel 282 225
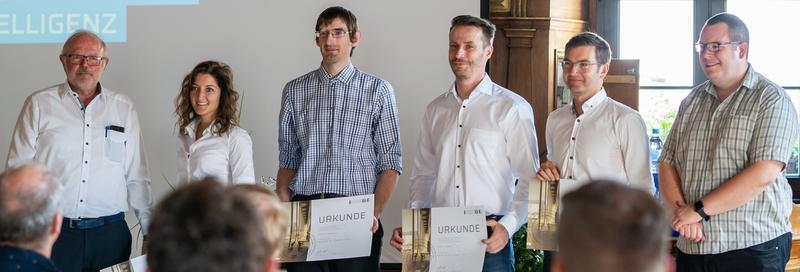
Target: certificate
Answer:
pixel 543 207
pixel 443 239
pixel 296 241
pixel 341 228
pixel 138 264
pixel 327 229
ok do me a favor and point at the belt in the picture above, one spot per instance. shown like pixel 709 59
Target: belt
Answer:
pixel 494 217
pixel 90 223
pixel 316 196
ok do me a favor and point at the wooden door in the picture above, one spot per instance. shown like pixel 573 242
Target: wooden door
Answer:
pixel 622 82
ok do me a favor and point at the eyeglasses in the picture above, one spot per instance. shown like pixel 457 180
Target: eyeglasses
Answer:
pixel 583 66
pixel 336 33
pixel 90 60
pixel 711 47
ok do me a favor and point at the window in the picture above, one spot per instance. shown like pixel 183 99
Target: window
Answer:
pixel 660 33
pixel 662 43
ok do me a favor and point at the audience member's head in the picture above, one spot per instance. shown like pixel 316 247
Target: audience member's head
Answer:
pixel 29 216
pixel 608 226
pixel 203 227
pixel 276 219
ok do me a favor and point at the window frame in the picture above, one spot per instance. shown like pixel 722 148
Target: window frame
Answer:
pixel 608 26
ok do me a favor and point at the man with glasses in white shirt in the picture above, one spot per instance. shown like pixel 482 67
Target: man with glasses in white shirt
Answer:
pixel 477 145
pixel 594 137
pixel 722 170
pixel 89 138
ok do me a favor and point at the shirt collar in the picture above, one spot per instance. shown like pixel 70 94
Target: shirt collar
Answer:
pixel 594 101
pixel 344 76
pixel 191 128
pixel 749 82
pixel 484 87
pixel 23 255
pixel 65 90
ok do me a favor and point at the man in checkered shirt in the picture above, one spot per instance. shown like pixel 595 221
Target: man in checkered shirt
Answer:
pixel 339 134
pixel 722 167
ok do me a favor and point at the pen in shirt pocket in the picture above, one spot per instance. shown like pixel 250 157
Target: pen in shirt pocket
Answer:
pixel 114 128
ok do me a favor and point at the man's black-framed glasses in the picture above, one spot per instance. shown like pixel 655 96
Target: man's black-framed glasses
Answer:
pixel 90 60
pixel 712 46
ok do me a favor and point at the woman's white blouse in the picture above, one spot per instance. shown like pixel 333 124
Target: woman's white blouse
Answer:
pixel 228 158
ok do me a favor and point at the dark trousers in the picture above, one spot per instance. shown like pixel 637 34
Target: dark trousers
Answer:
pixel 85 250
pixel 502 261
pixel 769 256
pixel 366 264
pixel 548 260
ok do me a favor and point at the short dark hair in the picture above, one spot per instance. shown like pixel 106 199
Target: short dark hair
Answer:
pixel 602 50
pixel 737 30
pixel 332 13
pixel 228 110
pixel 608 226
pixel 202 227
pixel 27 207
pixel 486 27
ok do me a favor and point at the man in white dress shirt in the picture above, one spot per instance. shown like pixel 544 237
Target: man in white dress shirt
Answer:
pixel 89 138
pixel 594 137
pixel 477 145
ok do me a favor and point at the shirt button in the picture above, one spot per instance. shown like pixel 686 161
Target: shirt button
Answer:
pixel 81 200
pixel 570 157
pixel 84 181
pixel 85 162
pixel 458 166
pixel 573 138
pixel 87 143
pixel 188 155
pixel 570 177
pixel 464 107
pixel 459 125
pixel 459 145
pixel 87 125
pixel 579 120
pixel 458 186
pixel 81 108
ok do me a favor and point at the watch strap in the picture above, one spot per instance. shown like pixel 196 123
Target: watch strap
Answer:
pixel 699 208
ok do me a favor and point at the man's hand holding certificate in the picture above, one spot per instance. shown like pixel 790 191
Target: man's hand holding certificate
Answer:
pixel 327 229
pixel 443 239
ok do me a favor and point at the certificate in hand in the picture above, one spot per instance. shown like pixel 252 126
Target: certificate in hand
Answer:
pixel 327 229
pixel 443 239
pixel 543 206
pixel 138 264
pixel 341 227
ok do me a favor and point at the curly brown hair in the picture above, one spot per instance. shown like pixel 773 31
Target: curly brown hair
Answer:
pixel 227 113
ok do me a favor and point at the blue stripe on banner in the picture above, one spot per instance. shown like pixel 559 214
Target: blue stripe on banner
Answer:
pixel 52 21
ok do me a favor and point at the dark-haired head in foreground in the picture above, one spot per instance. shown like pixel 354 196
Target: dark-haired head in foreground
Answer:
pixel 204 227
pixel 608 226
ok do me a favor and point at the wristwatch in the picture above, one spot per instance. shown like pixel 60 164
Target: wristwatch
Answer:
pixel 698 207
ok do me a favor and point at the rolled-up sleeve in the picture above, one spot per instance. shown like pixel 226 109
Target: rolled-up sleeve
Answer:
pixel 386 136
pixel 288 146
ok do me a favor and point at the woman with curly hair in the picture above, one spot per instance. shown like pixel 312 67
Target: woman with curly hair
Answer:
pixel 209 142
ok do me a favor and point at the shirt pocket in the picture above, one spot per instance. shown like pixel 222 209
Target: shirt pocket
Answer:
pixel 115 146
pixel 483 147
pixel 736 136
